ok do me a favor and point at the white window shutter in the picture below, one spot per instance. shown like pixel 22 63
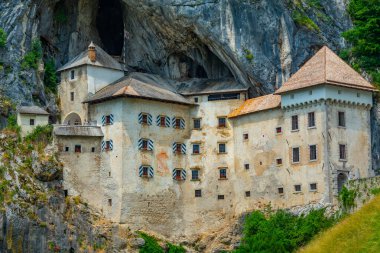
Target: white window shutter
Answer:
pixel 111 119
pixel 150 172
pixel 103 146
pixel 182 124
pixel 141 171
pixel 183 174
pixel 150 120
pixel 173 122
pixel 183 148
pixel 111 144
pixel 174 147
pixel 103 120
pixel 158 120
pixel 150 145
pixel 140 118
pixel 174 173
pixel 167 121
pixel 140 143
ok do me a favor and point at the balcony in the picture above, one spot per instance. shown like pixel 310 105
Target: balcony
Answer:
pixel 78 130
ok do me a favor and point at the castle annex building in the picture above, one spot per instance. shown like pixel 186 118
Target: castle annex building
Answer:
pixel 183 158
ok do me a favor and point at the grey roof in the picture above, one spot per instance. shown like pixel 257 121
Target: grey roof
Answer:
pixel 140 85
pixel 207 86
pixel 32 110
pixel 90 131
pixel 102 60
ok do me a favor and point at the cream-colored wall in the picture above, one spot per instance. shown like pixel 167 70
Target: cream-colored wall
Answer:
pixel 23 120
pixel 99 77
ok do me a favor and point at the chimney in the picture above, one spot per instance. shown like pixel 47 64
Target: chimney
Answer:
pixel 92 52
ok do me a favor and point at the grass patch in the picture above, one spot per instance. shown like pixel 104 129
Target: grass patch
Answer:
pixel 359 232
pixel 302 20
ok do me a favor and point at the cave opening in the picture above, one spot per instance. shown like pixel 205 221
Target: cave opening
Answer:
pixel 110 25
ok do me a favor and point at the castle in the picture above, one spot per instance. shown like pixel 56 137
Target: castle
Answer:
pixel 182 158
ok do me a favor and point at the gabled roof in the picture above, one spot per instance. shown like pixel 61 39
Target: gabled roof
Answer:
pixel 140 85
pixel 32 110
pixel 325 67
pixel 256 105
pixel 207 86
pixel 102 60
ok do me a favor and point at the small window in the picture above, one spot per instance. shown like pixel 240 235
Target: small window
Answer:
pixel 341 119
pixel 162 121
pixel 313 152
pixel 72 96
pixel 177 123
pixel 178 148
pixel 107 146
pixel 245 136
pixel 222 122
pixel 198 193
pixel 197 123
pixel 297 188
pixel 248 193
pixel 78 148
pixel 145 171
pixel 296 155
pixel 313 187
pixel 280 190
pixel 72 74
pixel 66 192
pixel 342 152
pixel 358 95
pixel 31 122
pixel 223 173
pixel 311 119
pixel 278 130
pixel 109 202
pixel 178 175
pixel 196 149
pixel 93 149
pixel 144 119
pixel 222 148
pixel 109 174
pixel 194 174
pixel 294 122
pixel 196 99
pixel 279 161
pixel 220 197
pixel 144 144
pixel 108 120
pixel 67 149
pixel 246 166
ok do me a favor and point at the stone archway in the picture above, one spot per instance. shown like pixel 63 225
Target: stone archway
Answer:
pixel 342 179
pixel 73 119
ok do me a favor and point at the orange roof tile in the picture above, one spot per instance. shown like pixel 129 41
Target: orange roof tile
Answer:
pixel 257 104
pixel 325 67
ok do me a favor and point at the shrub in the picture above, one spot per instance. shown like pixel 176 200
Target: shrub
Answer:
pixel 302 20
pixel 40 135
pixel 151 245
pixel 3 38
pixel 12 124
pixel 175 248
pixel 33 56
pixel 50 78
pixel 248 54
pixel 347 198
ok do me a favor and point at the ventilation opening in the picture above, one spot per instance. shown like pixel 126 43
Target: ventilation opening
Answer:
pixel 109 22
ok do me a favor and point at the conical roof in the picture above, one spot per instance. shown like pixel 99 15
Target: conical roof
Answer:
pixel 325 67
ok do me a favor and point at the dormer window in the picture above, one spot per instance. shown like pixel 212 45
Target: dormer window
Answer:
pixel 72 74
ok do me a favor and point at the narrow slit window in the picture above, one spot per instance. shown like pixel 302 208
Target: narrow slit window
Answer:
pixel 294 122
pixel 296 155
pixel 72 96
pixel 313 152
pixel 311 119
pixel 342 152
pixel 197 123
pixel 341 119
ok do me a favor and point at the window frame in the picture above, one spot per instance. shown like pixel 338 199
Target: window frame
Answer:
pixel 247 194
pixel 199 149
pixel 220 196
pixel 223 176
pixel 311 121
pixel 246 166
pixel 340 125
pixel 295 188
pixel 225 147
pixel 178 174
pixel 280 190
pixel 316 152
pixel 197 178
pixel 316 187
pixel 32 122
pixel 344 153
pixel 194 125
pixel 296 122
pixel 198 193
pixel 222 125
pixel 299 155
pixel 78 147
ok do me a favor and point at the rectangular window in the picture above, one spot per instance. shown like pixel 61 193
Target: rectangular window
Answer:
pixel 145 171
pixel 245 136
pixel 313 152
pixel 31 122
pixel 341 119
pixel 280 190
pixel 195 175
pixel 342 152
pixel 311 119
pixel 78 148
pixel 178 175
pixel 177 123
pixel 93 149
pixel 220 197
pixel 144 119
pixel 72 74
pixel 278 130
pixel 107 146
pixel 109 202
pixel 162 121
pixel 246 166
pixel 178 148
pixel 196 149
pixel 296 155
pixel 216 97
pixel 72 96
pixel 198 193
pixel 222 148
pixel 108 120
pixel 313 187
pixel 297 188
pixel 196 99
pixel 223 173
pixel 279 161
pixel 67 149
pixel 197 123
pixel 222 122
pixel 294 122
pixel 248 194
pixel 144 145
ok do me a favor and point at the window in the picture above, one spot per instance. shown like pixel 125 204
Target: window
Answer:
pixel 216 97
pixel 178 175
pixel 311 119
pixel 144 144
pixel 144 119
pixel 248 193
pixel 178 148
pixel 280 190
pixel 31 122
pixel 342 152
pixel 198 193
pixel 296 155
pixel 108 120
pixel 341 119
pixel 313 152
pixel 223 173
pixel 177 123
pixel 196 99
pixel 72 74
pixel 196 149
pixel 220 197
pixel 310 92
pixel 297 188
pixel 339 92
pixel 294 122
pixel 222 122
pixel 278 130
pixel 107 146
pixel 245 136
pixel 194 174
pixel 313 187
pixel 109 202
pixel 145 171
pixel 67 149
pixel 109 173
pixel 197 123
pixel 162 121
pixel 358 95
pixel 78 148
pixel 222 148
pixel 246 166
pixel 93 149
pixel 72 96
pixel 279 161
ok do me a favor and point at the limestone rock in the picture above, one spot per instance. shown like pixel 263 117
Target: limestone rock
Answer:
pixel 136 242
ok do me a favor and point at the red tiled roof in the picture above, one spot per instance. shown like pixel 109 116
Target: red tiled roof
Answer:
pixel 257 104
pixel 325 67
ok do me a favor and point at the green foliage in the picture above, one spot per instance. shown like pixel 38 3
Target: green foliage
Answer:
pixel 175 248
pixel 33 56
pixel 41 134
pixel 364 37
pixel 12 124
pixel 151 245
pixel 302 19
pixel 316 4
pixel 347 198
pixel 281 231
pixel 3 38
pixel 248 54
pixel 50 78
pixel 375 191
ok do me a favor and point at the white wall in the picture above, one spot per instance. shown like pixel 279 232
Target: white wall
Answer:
pixel 23 120
pixel 101 77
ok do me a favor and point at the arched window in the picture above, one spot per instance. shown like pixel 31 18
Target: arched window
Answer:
pixel 72 119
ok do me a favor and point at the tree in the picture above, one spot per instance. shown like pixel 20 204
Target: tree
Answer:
pixel 3 38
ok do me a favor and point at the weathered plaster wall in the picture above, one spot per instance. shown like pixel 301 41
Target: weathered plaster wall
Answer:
pixel 98 78
pixel 23 120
